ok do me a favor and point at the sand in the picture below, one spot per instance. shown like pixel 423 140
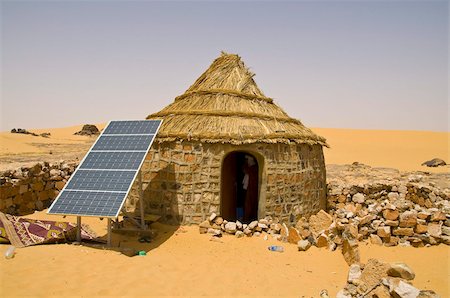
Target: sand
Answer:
pixel 180 261
pixel 403 150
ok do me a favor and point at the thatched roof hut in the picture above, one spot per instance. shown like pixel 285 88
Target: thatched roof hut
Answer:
pixel 225 147
pixel 225 105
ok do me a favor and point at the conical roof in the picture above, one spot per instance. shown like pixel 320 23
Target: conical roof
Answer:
pixel 224 105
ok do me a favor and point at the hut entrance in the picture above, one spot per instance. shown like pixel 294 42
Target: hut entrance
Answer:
pixel 239 187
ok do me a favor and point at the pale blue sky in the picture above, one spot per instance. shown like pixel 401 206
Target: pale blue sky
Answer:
pixel 366 64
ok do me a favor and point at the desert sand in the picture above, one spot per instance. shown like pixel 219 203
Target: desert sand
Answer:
pixel 180 261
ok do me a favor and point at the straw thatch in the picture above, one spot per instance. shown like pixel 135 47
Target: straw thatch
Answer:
pixel 225 105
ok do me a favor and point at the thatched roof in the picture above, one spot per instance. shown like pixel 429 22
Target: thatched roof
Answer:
pixel 225 105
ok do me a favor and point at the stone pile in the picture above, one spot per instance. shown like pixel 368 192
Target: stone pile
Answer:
pixel 26 132
pixel 387 209
pixel 26 189
pixel 381 280
pixel 88 130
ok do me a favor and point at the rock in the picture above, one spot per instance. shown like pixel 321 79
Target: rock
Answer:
pixel 445 230
pixel 253 225
pixel 408 219
pixel 322 240
pixel 435 162
pixel 350 251
pixel 438 216
pixel 205 224
pixel 239 234
pixel 218 220
pixel 384 232
pixel 230 227
pixel 319 222
pixel 238 225
pixel 373 272
pixel 427 294
pixel 88 130
pixel 262 226
pixel 401 270
pixel 391 223
pixel 293 237
pixel 434 229
pixel 404 290
pixel 247 231
pixel 390 214
pixel 403 232
pixel 212 217
pixel 202 230
pixel 375 239
pixel 358 198
pixel 381 292
pixel 264 221
pixel 354 273
pixel 343 294
pixel 421 229
pixel 393 196
pixel 215 232
pixel 303 245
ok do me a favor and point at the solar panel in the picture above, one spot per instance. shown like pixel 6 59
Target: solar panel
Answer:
pixel 103 180
pixel 125 143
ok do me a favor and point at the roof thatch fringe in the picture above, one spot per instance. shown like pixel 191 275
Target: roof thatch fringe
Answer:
pixel 225 105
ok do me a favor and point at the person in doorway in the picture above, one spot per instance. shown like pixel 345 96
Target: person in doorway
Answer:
pixel 250 182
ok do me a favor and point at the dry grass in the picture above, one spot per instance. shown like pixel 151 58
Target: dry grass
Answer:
pixel 225 105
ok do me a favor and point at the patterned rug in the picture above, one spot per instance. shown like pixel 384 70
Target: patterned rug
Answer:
pixel 22 232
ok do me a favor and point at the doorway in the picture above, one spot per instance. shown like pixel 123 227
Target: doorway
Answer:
pixel 240 187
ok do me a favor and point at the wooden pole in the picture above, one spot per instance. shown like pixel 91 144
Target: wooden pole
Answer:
pixel 79 229
pixel 141 200
pixel 108 241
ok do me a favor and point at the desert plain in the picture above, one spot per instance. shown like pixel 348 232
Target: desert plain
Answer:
pixel 182 262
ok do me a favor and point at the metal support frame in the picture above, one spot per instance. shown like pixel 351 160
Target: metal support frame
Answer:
pixel 108 241
pixel 78 228
pixel 141 200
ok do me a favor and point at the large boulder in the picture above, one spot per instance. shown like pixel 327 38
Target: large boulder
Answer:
pixel 435 162
pixel 401 270
pixel 319 222
pixel 350 251
pixel 88 130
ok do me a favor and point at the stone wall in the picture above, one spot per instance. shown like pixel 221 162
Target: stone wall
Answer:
pixel 24 190
pixel 181 180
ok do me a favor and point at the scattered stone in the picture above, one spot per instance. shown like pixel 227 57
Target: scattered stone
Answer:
pixel 212 216
pixel 375 239
pixel 428 294
pixel 293 236
pixel 384 232
pixel 253 225
pixel 322 240
pixel 354 273
pixel 230 227
pixel 303 245
pixel 404 290
pixel 239 234
pixel 373 272
pixel 319 222
pixel 401 270
pixel 358 198
pixel 350 251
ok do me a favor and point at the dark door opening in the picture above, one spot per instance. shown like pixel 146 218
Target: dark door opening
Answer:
pixel 240 187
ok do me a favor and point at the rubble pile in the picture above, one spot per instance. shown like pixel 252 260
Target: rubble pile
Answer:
pixel 379 279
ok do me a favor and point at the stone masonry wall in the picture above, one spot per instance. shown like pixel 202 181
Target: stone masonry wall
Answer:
pixel 24 190
pixel 181 180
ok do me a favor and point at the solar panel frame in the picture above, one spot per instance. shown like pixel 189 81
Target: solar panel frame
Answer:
pixel 49 211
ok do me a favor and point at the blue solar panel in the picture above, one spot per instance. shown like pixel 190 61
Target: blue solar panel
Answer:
pixel 124 143
pixel 113 160
pixel 101 180
pixel 132 127
pixel 101 183
pixel 88 203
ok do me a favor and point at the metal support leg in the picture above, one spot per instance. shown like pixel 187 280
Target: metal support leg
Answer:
pixel 78 228
pixel 141 200
pixel 108 241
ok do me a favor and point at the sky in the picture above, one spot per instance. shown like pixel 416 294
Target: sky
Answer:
pixel 331 64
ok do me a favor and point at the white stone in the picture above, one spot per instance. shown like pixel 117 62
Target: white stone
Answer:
pixel 212 217
pixel 263 226
pixel 354 273
pixel 253 224
pixel 303 245
pixel 230 227
pixel 358 198
pixel 405 290
pixel 238 225
pixel 239 234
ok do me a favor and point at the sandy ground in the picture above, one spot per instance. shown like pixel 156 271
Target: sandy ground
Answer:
pixel 403 150
pixel 180 261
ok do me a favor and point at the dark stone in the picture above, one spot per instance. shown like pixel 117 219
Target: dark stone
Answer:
pixel 435 162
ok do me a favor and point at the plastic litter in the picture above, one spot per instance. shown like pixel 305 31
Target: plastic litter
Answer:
pixel 276 248
pixel 10 252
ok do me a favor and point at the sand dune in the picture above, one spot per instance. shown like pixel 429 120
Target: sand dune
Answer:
pixel 403 150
